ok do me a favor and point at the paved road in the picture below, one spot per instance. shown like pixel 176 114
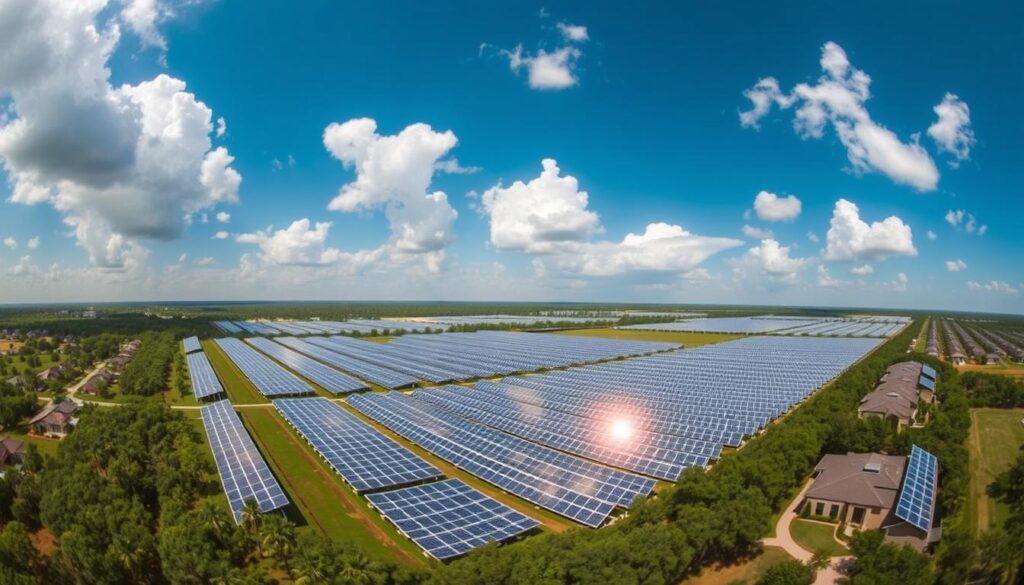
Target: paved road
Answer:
pixel 784 540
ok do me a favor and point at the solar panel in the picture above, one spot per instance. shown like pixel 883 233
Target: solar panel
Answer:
pixel 268 377
pixel 365 370
pixel 928 371
pixel 448 518
pixel 191 344
pixel 328 378
pixel 204 379
pixel 917 498
pixel 228 326
pixel 361 455
pixel 243 472
pixel 927 382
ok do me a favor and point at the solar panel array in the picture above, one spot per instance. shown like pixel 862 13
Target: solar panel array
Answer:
pixel 726 325
pixel 228 326
pixel 659 414
pixel 575 488
pixel 243 472
pixel 458 356
pixel 448 518
pixel 191 344
pixel 204 380
pixel 365 370
pixel 524 320
pixel 328 378
pixel 268 377
pixel 360 454
pixel 917 498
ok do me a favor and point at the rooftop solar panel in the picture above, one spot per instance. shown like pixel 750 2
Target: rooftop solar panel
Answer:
pixel 927 382
pixel 204 380
pixel 917 498
pixel 191 344
pixel 448 518
pixel 364 457
pixel 243 472
pixel 268 377
pixel 929 371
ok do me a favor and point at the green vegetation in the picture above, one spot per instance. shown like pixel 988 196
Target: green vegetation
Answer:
pixel 687 339
pixel 986 389
pixel 816 537
pixel 877 562
pixel 240 390
pixel 996 435
pixel 150 367
pixel 15 404
pixel 745 570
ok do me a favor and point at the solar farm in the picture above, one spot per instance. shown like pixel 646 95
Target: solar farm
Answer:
pixel 775 325
pixel 364 326
pixel 577 426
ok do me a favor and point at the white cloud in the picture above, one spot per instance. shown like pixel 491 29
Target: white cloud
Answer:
pixel 451 166
pixel 395 172
pixel 11 243
pixel 542 215
pixel 224 217
pixel 838 98
pixel 24 267
pixel 298 244
pixel 770 259
pixel 574 32
pixel 932 235
pixel 182 258
pixel 825 280
pixel 207 261
pixel 33 243
pixel 141 16
pixel 221 235
pixel 997 286
pixel 952 131
pixel 955 265
pixel 120 163
pixel 813 237
pixel 771 207
pixel 661 248
pixel 757 233
pixel 222 127
pixel 850 238
pixel 862 270
pixel 962 220
pixel 546 71
pixel 901 282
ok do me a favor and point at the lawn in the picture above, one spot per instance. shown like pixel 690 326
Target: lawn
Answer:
pixel 748 571
pixel 45 446
pixel 19 363
pixel 238 387
pixel 323 500
pixel 994 442
pixel 689 339
pixel 816 537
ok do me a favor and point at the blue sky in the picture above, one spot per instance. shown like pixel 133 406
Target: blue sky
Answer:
pixel 640 109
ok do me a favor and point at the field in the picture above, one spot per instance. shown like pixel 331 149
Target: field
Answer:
pixel 816 537
pixel 685 338
pixel 994 442
pixel 747 571
pixel 1003 368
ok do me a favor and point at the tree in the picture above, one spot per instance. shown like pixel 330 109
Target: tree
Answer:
pixel 787 573
pixel 277 536
pixel 19 560
pixel 877 562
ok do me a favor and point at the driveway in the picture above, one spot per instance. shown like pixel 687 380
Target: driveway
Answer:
pixel 784 540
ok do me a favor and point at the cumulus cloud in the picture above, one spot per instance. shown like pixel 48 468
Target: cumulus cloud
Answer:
pixel 962 220
pixel 11 243
pixel 900 283
pixel 769 260
pixel 221 235
pixel 224 217
pixel 24 267
pixel 298 244
pixel 540 216
pixel 546 71
pixel 395 172
pixel 955 265
pixel 757 233
pixel 661 248
pixel 932 235
pixel 813 237
pixel 771 207
pixel 207 261
pixel 120 163
pixel 574 32
pixel 850 238
pixel 862 270
pixel 952 131
pixel 451 166
pixel 996 286
pixel 825 280
pixel 33 243
pixel 142 16
pixel 222 127
pixel 838 98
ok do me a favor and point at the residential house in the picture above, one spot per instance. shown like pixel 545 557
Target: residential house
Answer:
pixel 11 451
pixel 900 393
pixel 55 420
pixel 51 373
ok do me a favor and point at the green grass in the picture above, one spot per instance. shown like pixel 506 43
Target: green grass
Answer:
pixel 45 446
pixel 816 537
pixel 747 571
pixel 689 339
pixel 238 387
pixel 324 502
pixel 993 444
pixel 20 364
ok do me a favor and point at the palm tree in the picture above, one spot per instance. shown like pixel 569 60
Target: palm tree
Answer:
pixel 251 520
pixel 278 536
pixel 213 519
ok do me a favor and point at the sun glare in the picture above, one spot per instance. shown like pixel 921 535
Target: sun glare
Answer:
pixel 622 429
